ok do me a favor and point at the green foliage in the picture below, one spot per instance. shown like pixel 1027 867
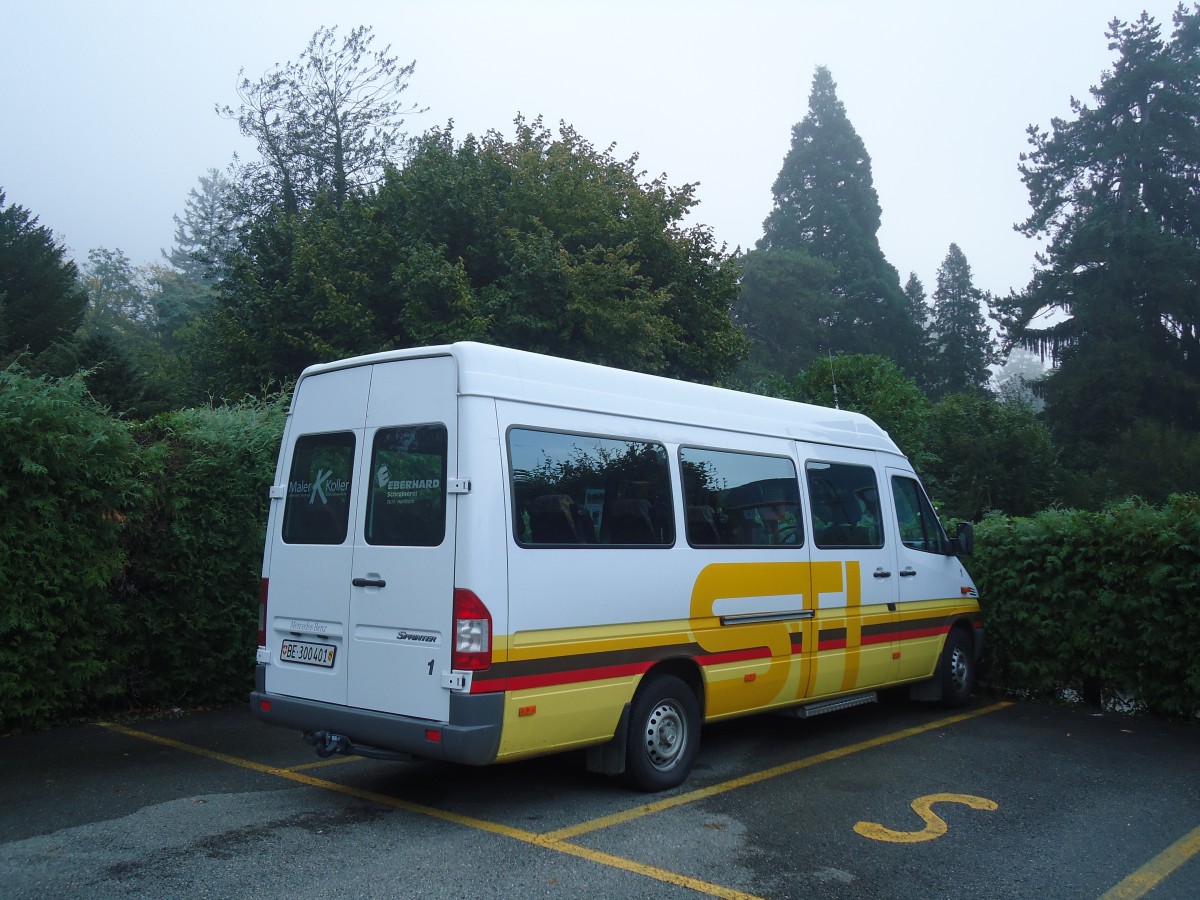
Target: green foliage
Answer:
pixel 1114 191
pixel 785 307
pixel 327 123
pixel 539 243
pixel 68 488
pixel 129 556
pixel 40 301
pixel 1103 604
pixel 960 341
pixel 989 455
pixel 871 385
pixel 189 597
pixel 826 206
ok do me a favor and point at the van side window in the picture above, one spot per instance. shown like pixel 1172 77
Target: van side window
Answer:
pixel 845 505
pixel 317 508
pixel 584 490
pixel 408 487
pixel 740 499
pixel 919 525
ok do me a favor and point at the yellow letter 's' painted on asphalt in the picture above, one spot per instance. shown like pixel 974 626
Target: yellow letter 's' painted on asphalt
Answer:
pixel 935 825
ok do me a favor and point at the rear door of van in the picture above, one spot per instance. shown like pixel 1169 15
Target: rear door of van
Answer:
pixel 402 584
pixel 361 577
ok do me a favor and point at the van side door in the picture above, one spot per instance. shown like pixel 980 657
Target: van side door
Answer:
pixel 855 642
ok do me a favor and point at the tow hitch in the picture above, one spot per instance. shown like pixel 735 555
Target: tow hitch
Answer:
pixel 326 743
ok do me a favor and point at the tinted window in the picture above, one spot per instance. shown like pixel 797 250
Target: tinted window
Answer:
pixel 574 489
pixel 408 487
pixel 740 500
pixel 845 505
pixel 919 526
pixel 317 508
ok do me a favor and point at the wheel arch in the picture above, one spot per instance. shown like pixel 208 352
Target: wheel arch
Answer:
pixel 686 670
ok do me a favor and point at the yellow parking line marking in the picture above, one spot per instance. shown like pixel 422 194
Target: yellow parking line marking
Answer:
pixel 333 761
pixel 1149 876
pixel 573 831
pixel 518 834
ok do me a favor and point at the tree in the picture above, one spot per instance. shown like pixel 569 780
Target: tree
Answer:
pixel 205 233
pixel 987 454
pixel 785 308
pixel 40 298
pixel 826 205
pixel 329 121
pixel 960 341
pixel 872 385
pixel 118 298
pixel 540 243
pixel 1114 191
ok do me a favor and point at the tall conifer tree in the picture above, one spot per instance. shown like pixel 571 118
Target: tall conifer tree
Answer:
pixel 1115 192
pixel 826 205
pixel 960 342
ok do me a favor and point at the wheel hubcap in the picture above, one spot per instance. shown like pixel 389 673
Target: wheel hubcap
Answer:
pixel 959 669
pixel 666 735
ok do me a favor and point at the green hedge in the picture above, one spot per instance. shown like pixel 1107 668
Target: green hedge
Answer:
pixel 68 488
pixel 129 554
pixel 130 558
pixel 1105 605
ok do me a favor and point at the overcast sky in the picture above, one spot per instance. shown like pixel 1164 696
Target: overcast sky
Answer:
pixel 107 121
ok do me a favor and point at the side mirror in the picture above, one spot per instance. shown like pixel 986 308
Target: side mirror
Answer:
pixel 964 539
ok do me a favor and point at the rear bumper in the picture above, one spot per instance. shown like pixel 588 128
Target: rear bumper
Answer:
pixel 471 736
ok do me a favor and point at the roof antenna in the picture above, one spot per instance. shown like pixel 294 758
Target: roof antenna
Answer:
pixel 833 378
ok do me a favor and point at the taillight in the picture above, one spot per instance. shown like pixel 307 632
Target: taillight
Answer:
pixel 472 632
pixel 262 614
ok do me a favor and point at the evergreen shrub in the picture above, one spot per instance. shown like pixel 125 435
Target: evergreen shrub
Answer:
pixel 129 555
pixel 1105 605
pixel 68 488
pixel 196 553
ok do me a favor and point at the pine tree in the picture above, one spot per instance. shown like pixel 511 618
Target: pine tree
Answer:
pixel 1114 190
pixel 205 233
pixel 826 205
pixel 960 341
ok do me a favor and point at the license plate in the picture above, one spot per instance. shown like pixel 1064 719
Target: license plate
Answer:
pixel 308 654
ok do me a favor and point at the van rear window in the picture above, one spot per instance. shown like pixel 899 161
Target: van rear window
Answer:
pixel 408 487
pixel 317 509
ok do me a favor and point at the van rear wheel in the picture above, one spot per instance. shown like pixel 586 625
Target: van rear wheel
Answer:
pixel 664 734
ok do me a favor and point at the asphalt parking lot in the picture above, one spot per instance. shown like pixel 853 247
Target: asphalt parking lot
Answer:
pixel 895 800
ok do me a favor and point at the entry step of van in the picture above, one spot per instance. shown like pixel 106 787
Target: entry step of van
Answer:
pixel 839 703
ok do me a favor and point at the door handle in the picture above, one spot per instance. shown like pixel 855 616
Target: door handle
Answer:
pixel 882 573
pixel 369 582
pixel 908 573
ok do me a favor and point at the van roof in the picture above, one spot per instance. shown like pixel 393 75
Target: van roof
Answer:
pixel 506 374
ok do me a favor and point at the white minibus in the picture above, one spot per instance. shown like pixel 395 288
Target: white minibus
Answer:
pixel 479 554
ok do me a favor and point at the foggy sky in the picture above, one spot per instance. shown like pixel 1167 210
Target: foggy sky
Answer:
pixel 108 118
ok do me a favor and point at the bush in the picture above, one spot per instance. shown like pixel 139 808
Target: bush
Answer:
pixel 197 553
pixel 67 491
pixel 129 555
pixel 1104 604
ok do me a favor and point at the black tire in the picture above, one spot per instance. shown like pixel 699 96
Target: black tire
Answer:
pixel 664 734
pixel 956 668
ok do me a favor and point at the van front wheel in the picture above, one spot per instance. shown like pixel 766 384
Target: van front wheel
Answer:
pixel 664 734
pixel 957 669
